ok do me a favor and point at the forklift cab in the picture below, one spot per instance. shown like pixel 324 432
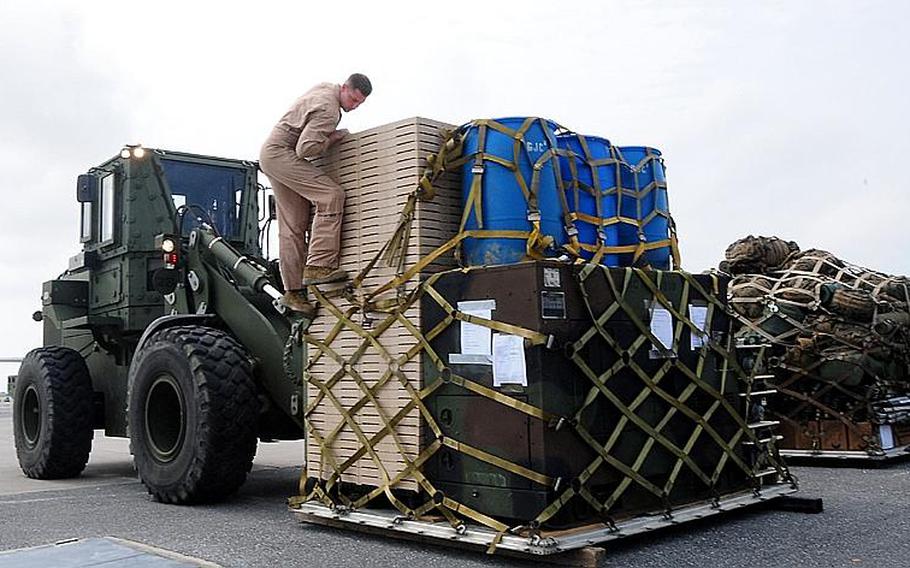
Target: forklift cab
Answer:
pixel 217 191
pixel 141 193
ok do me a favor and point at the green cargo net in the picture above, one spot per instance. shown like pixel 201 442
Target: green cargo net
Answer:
pixel 710 414
pixel 839 335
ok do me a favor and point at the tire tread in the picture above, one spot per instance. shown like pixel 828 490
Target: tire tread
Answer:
pixel 70 413
pixel 228 409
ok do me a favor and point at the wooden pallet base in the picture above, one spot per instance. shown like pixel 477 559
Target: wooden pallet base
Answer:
pixel 582 546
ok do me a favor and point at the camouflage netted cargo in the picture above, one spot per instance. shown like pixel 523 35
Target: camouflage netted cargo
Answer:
pixel 841 343
pixel 757 254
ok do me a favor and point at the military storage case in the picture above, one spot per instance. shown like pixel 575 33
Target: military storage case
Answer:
pixel 618 412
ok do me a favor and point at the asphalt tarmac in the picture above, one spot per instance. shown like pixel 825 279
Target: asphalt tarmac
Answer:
pixel 866 522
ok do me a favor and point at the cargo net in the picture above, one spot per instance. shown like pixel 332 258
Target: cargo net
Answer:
pixel 626 198
pixel 840 337
pixel 672 410
pixel 695 430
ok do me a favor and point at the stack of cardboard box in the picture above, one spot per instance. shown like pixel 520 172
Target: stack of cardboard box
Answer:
pixel 378 169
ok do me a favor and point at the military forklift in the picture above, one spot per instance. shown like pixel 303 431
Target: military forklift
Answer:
pixel 166 328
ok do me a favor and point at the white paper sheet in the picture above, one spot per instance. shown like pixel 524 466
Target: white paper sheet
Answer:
pixel 475 339
pixel 884 432
pixel 662 327
pixel 509 360
pixel 699 316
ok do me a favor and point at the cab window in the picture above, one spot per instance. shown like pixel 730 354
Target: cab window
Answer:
pixel 209 192
pixel 85 224
pixel 108 208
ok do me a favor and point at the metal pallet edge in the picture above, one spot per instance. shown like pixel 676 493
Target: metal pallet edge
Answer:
pixel 391 523
pixel 895 452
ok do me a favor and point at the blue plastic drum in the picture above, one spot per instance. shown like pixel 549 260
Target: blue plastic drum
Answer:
pixel 644 198
pixel 592 181
pixel 503 204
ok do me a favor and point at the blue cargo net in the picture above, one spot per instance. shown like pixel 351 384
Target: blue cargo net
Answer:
pixel 211 193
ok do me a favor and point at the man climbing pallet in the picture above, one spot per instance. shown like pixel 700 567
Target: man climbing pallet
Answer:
pixel 307 130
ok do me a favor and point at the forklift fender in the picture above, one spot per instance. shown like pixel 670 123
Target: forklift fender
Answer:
pixel 176 319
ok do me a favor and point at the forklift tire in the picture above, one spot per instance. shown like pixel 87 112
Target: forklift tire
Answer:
pixel 193 412
pixel 53 413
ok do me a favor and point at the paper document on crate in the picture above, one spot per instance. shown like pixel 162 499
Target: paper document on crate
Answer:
pixel 699 316
pixel 662 327
pixel 509 360
pixel 475 339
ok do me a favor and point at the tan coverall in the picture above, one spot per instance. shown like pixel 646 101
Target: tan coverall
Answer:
pixel 300 187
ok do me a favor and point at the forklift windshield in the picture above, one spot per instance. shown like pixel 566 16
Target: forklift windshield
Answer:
pixel 211 193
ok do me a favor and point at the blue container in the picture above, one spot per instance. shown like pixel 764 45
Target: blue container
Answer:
pixel 593 181
pixel 644 198
pixel 504 206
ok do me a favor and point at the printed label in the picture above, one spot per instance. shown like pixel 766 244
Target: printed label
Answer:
pixel 536 147
pixel 553 305
pixel 551 278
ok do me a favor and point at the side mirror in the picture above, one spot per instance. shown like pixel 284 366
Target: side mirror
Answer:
pixel 86 188
pixel 273 212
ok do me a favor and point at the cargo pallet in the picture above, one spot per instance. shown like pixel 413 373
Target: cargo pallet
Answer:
pixel 545 543
pixel 843 443
pixel 846 446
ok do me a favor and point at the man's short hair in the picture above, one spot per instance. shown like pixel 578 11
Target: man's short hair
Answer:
pixel 360 82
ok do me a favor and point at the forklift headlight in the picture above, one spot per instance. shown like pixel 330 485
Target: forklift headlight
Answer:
pixel 132 151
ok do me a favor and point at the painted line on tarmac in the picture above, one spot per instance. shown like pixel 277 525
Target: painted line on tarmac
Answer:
pixel 4 501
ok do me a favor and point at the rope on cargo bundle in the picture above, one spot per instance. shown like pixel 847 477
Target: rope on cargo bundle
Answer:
pixel 438 502
pixel 636 193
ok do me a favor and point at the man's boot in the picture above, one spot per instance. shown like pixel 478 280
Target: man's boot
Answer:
pixel 323 275
pixel 295 300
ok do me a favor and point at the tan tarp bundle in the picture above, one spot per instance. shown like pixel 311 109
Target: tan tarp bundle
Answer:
pixel 842 332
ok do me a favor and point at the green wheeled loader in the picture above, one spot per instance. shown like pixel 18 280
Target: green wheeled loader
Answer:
pixel 165 329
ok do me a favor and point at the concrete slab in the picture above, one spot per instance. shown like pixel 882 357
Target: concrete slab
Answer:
pixel 106 551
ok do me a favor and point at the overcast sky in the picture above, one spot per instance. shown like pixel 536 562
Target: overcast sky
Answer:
pixel 775 118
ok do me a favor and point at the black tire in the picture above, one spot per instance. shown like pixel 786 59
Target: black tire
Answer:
pixel 193 412
pixel 53 413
